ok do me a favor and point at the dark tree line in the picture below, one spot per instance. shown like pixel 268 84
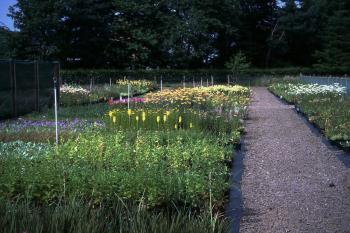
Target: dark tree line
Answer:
pixel 180 33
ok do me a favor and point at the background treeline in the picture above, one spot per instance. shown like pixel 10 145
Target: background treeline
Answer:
pixel 180 34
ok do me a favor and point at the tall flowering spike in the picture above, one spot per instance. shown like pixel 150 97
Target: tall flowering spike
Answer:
pixel 137 118
pixel 191 125
pixel 165 118
pixel 175 126
pixel 180 119
pixel 143 116
pixel 114 119
pixel 110 113
pixel 129 112
pixel 158 119
pixel 167 113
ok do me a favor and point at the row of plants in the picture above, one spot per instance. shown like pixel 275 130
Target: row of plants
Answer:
pixel 74 94
pixel 84 76
pixel 327 106
pixel 158 166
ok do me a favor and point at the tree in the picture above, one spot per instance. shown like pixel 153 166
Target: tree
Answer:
pixel 74 30
pixel 84 32
pixel 5 49
pixel 237 64
pixel 257 20
pixel 336 39
pixel 175 34
pixel 37 24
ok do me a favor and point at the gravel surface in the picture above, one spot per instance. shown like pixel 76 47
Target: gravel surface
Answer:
pixel 292 181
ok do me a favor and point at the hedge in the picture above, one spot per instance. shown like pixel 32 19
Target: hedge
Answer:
pixel 83 76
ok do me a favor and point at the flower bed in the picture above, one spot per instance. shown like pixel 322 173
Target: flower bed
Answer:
pixel 72 94
pixel 324 105
pixel 162 155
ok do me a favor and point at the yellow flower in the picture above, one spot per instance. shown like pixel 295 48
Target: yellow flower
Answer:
pixel 180 119
pixel 110 113
pixel 129 112
pixel 175 126
pixel 191 125
pixel 137 118
pixel 164 118
pixel 114 119
pixel 158 119
pixel 143 116
pixel 167 113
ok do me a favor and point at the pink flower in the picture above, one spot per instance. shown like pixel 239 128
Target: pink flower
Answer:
pixel 125 101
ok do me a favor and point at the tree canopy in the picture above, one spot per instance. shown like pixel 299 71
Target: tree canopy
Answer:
pixel 181 33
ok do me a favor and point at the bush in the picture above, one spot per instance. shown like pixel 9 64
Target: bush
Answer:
pixel 156 167
pixel 220 75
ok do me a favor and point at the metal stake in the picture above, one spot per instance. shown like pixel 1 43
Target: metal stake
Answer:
pixel 56 118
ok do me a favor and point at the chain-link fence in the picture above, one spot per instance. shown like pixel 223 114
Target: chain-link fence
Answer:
pixel 26 86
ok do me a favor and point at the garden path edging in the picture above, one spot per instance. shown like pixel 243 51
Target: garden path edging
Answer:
pixel 316 129
pixel 234 210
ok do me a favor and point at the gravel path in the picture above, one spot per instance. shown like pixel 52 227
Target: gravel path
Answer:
pixel 292 182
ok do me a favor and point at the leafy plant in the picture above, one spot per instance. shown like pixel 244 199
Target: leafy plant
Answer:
pixel 237 64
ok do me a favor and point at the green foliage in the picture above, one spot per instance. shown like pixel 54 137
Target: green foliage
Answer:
pixel 179 34
pixel 77 217
pixel 238 64
pixel 74 94
pixel 153 178
pixel 329 111
pixel 5 49
pixel 155 167
pixel 336 39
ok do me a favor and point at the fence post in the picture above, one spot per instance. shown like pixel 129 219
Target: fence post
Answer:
pixel 57 78
pixel 161 83
pixel 129 87
pixel 14 87
pixel 56 107
pixel 36 77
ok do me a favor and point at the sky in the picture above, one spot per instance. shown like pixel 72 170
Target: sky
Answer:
pixel 4 19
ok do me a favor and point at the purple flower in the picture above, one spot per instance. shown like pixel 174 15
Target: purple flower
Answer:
pixel 75 124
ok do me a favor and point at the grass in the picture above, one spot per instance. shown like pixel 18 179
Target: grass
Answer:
pixel 77 217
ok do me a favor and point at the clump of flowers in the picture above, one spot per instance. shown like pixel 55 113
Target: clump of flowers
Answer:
pixel 324 105
pixel 125 101
pixel 190 97
pixel 136 84
pixel 152 118
pixel 310 89
pixel 75 95
pixel 73 89
pixel 42 125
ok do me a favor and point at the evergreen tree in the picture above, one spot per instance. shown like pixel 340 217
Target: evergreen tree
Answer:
pixel 5 49
pixel 257 19
pixel 336 38
pixel 237 64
